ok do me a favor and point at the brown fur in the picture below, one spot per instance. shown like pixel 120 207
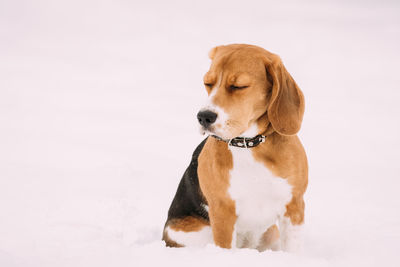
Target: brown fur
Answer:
pixel 215 161
pixel 269 238
pixel 188 224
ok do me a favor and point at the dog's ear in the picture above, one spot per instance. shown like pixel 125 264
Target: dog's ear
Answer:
pixel 286 107
pixel 213 52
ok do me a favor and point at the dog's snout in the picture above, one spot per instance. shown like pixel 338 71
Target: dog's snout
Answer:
pixel 206 118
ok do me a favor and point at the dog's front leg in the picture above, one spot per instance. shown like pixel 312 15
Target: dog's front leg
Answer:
pixel 291 226
pixel 223 219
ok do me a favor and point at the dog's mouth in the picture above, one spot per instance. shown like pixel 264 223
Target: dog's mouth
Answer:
pixel 227 133
pixel 207 131
pixel 214 131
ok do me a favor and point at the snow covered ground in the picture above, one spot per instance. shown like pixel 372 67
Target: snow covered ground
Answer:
pixel 97 124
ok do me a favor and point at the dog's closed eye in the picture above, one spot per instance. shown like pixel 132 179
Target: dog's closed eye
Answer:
pixel 234 87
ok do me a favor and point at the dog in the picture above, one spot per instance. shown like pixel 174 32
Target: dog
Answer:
pixel 251 172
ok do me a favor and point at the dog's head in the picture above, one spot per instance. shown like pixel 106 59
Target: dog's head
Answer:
pixel 248 89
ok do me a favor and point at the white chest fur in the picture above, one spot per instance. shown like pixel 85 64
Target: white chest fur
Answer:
pixel 260 197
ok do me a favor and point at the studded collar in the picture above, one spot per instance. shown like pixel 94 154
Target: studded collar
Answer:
pixel 243 142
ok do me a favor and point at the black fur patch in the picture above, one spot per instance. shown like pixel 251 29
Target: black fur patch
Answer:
pixel 188 200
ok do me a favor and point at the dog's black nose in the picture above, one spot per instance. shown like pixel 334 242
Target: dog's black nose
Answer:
pixel 206 118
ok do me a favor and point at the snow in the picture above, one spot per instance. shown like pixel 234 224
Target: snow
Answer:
pixel 97 124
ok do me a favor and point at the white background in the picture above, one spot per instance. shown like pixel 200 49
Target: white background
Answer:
pixel 97 124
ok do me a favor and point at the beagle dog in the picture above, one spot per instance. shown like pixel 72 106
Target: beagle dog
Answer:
pixel 249 175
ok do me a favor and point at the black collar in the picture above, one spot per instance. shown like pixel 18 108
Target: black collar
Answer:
pixel 243 142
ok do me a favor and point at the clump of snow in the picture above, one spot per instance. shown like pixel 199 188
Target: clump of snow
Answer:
pixel 97 125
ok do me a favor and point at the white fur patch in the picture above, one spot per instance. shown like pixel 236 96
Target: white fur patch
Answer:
pixel 191 239
pixel 222 117
pixel 251 131
pixel 260 197
pixel 204 206
pixel 220 125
